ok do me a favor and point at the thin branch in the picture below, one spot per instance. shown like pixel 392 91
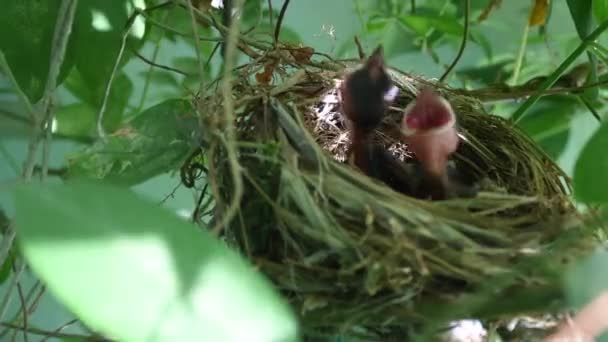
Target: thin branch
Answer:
pixel 520 54
pixel 277 28
pixel 174 31
pixel 231 151
pixel 9 290
pixel 60 328
pixel 160 66
pixel 100 131
pixel 463 43
pixel 560 70
pixel 23 308
pixel 197 48
pixel 270 14
pixel 144 92
pixel 42 332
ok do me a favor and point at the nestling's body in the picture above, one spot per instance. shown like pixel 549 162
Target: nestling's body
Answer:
pixel 429 129
pixel 365 96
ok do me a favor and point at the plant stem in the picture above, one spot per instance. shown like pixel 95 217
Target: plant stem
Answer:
pixel 560 70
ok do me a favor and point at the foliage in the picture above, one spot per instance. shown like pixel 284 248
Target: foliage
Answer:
pixel 131 72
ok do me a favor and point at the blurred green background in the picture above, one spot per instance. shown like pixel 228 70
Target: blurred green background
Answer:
pixel 560 124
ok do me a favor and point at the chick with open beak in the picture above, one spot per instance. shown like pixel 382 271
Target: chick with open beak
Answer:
pixel 429 130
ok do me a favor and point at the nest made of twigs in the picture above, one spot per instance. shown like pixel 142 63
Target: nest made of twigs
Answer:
pixel 352 255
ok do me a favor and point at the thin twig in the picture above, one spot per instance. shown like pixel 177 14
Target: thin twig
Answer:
pixel 9 290
pixel 360 50
pixel 270 14
pixel 61 36
pixel 160 66
pixel 61 327
pixel 23 308
pixel 42 332
pixel 231 152
pixel 463 43
pixel 197 49
pixel 560 70
pixel 520 54
pixel 277 28
pixel 100 130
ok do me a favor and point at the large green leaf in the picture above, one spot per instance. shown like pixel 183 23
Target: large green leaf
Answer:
pixel 581 11
pixel 421 24
pixel 26 37
pixel 136 272
pixel 152 143
pixel 590 181
pixel 100 27
pixel 548 123
pixel 392 34
pixel 600 10
pixel 93 95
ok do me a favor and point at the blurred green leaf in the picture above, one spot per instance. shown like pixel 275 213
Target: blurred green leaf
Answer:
pixel 99 29
pixel 392 34
pixel 488 73
pixel 161 77
pixel 154 142
pixel 94 93
pixel 253 14
pixel 548 123
pixel 6 268
pixel 77 119
pixel 600 10
pixel 134 271
pixel 287 34
pixel 25 39
pixel 421 24
pixel 590 181
pixel 479 37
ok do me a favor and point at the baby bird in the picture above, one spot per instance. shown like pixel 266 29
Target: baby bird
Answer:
pixel 365 95
pixel 429 130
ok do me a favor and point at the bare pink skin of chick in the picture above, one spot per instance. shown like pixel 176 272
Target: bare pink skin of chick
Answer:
pixel 429 129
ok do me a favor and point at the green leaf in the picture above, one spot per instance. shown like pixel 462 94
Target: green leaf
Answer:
pixel 134 271
pixel 548 123
pixel 100 26
pixel 392 34
pixel 581 11
pixel 287 34
pixel 77 119
pixel 161 77
pixel 421 24
pixel 26 37
pixel 93 94
pixel 590 181
pixel 153 142
pixel 600 10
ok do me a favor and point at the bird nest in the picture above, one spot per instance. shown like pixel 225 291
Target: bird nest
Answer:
pixel 355 257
